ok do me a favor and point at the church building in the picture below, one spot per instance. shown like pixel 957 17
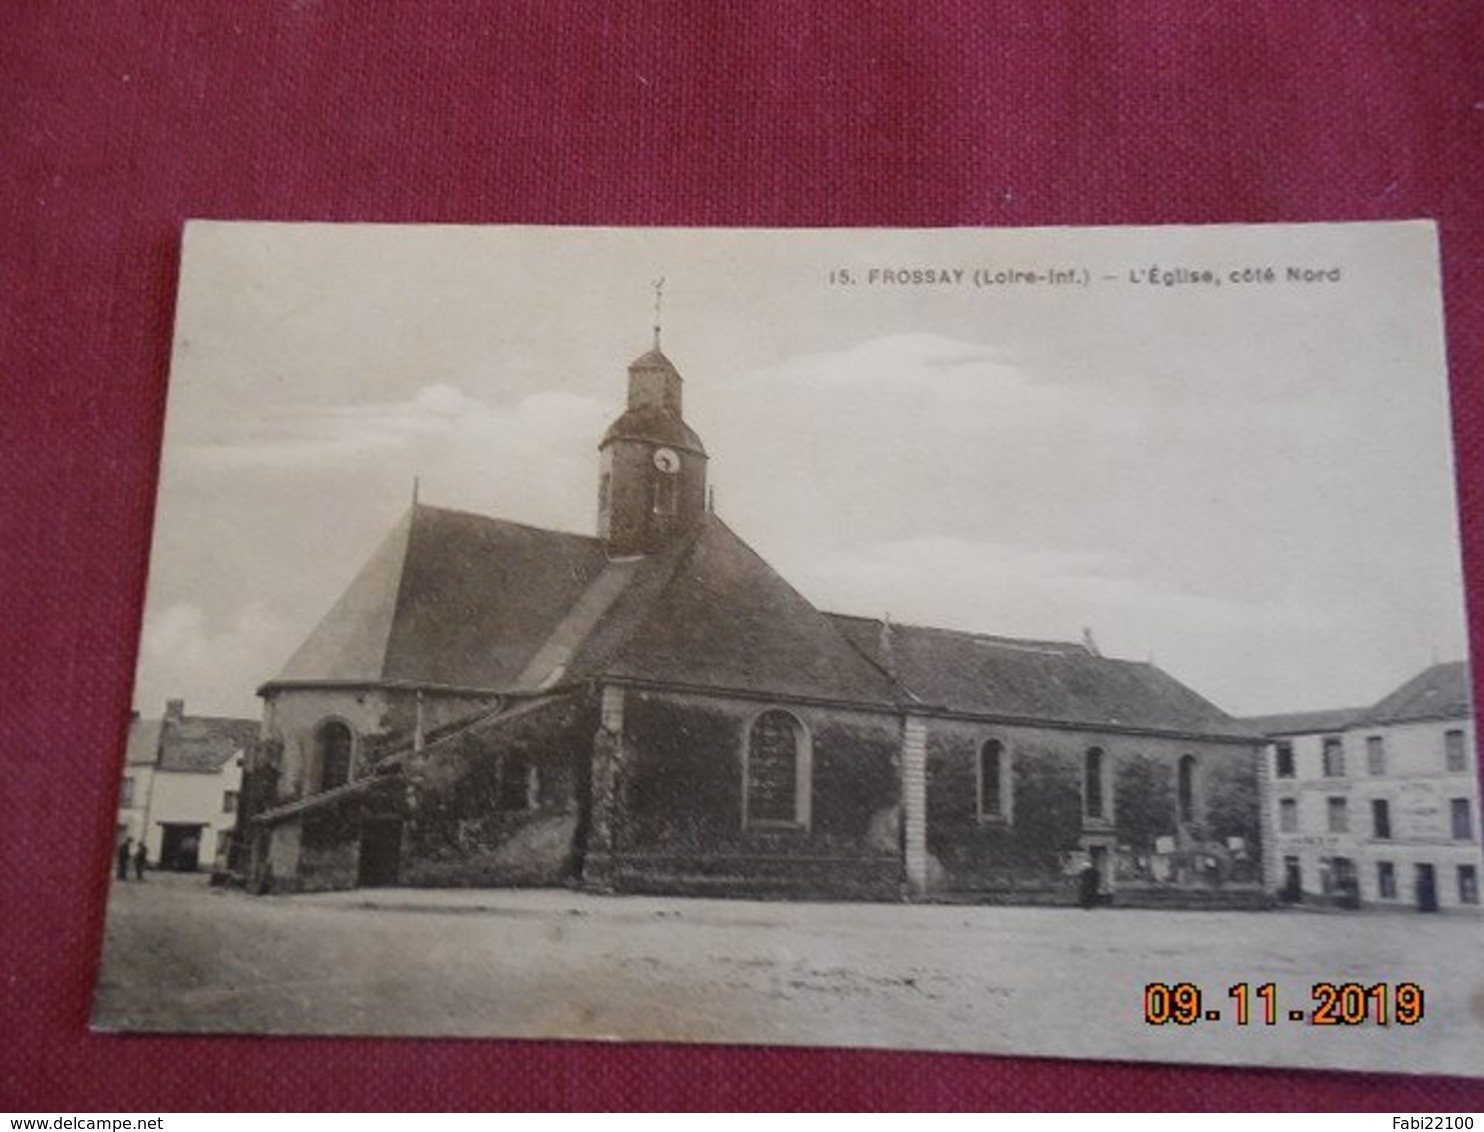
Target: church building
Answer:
pixel 653 708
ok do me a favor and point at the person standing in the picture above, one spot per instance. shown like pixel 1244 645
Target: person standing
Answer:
pixel 123 858
pixel 141 858
pixel 1088 886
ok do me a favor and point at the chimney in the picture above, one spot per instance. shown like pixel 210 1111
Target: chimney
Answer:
pixel 174 710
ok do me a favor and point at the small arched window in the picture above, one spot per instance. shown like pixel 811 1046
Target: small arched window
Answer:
pixel 1186 789
pixel 333 742
pixel 776 779
pixel 1094 804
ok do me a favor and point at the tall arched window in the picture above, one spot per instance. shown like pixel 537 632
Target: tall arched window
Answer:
pixel 776 775
pixel 333 742
pixel 1093 802
pixel 993 780
pixel 1186 789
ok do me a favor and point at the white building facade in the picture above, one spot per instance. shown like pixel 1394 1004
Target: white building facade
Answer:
pixel 181 785
pixel 1378 807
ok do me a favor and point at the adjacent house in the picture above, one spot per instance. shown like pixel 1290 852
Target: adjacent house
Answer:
pixel 654 708
pixel 181 786
pixel 1378 806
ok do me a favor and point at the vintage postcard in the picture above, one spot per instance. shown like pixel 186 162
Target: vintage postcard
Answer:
pixel 1040 642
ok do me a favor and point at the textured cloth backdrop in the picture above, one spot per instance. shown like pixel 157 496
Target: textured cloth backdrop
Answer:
pixel 120 120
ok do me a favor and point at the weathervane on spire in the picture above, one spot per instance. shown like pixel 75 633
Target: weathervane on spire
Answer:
pixel 659 297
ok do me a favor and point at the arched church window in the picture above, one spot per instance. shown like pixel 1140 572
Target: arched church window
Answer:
pixel 776 771
pixel 1094 801
pixel 1185 789
pixel 994 780
pixel 333 741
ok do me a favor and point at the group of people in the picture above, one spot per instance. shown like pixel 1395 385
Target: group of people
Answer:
pixel 128 851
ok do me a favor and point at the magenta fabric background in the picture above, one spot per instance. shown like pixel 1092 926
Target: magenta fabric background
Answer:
pixel 120 120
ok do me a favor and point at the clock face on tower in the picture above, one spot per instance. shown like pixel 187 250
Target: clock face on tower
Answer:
pixel 666 460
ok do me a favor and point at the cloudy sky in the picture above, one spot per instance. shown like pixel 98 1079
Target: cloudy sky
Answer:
pixel 1249 483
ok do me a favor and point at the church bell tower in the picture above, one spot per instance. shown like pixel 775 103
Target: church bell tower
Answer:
pixel 653 480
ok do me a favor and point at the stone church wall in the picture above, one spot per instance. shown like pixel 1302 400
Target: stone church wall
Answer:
pixel 683 827
pixel 1029 842
pixel 505 808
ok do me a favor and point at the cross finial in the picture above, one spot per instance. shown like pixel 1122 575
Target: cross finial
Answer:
pixel 659 298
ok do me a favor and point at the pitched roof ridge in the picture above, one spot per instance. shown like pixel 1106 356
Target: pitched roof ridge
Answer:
pixel 1311 719
pixel 196 717
pixel 975 634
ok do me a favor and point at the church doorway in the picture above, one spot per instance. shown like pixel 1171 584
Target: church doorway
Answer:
pixel 381 852
pixel 180 847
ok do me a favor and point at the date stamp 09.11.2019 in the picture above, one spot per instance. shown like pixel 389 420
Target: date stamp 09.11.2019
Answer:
pixel 1328 1004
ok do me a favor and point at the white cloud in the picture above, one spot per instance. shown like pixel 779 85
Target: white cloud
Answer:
pixel 215 668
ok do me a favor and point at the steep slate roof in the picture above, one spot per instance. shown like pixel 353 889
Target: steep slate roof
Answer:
pixel 1054 681
pixel 710 613
pixel 1305 722
pixel 1444 691
pixel 465 601
pixel 452 599
pixel 202 744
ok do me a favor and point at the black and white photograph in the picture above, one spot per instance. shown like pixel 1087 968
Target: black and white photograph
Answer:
pixel 1043 642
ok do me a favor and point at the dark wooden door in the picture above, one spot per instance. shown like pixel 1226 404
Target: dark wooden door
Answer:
pixel 180 847
pixel 381 852
pixel 1427 889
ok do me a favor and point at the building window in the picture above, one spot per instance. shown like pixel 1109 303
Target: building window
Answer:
pixel 666 494
pixel 1339 816
pixel 1454 757
pixel 776 777
pixel 1288 815
pixel 1333 758
pixel 1386 880
pixel 1094 767
pixel 334 742
pixel 1463 819
pixel 229 802
pixel 1380 819
pixel 994 780
pixel 1375 755
pixel 1283 760
pixel 1336 876
pixel 126 794
pixel 1186 792
pixel 1468 884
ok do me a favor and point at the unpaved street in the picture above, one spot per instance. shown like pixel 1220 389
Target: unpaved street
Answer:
pixel 1059 982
